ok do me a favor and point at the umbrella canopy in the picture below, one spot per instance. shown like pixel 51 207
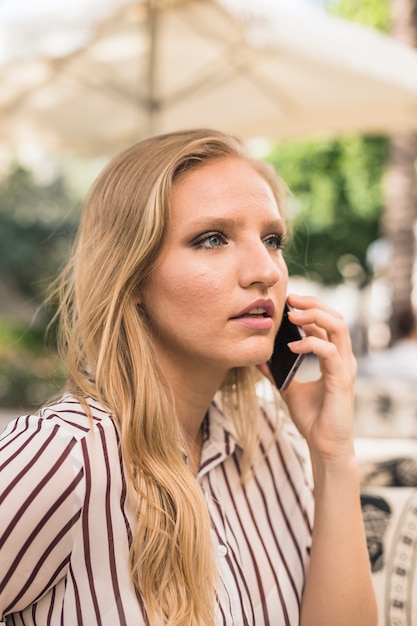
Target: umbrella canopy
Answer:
pixel 250 68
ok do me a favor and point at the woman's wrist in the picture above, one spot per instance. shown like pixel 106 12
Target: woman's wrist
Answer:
pixel 341 467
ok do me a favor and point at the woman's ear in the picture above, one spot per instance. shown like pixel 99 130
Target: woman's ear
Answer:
pixel 141 309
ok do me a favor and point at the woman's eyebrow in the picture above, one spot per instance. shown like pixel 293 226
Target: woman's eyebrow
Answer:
pixel 226 223
pixel 216 221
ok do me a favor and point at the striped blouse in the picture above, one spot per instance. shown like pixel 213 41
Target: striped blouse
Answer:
pixel 66 523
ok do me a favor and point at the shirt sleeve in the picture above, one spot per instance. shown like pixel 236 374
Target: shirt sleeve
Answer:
pixel 41 483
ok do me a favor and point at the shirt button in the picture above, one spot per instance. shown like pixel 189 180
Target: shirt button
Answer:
pixel 222 550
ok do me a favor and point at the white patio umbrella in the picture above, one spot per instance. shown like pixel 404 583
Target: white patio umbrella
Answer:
pixel 248 67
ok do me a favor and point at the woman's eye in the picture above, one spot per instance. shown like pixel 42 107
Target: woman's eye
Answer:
pixel 275 242
pixel 210 240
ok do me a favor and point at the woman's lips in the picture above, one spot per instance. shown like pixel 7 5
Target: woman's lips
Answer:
pixel 257 315
pixel 254 322
pixel 261 307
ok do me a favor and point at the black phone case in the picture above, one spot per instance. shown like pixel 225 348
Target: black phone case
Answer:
pixel 283 363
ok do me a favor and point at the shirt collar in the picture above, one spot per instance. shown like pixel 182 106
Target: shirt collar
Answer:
pixel 219 437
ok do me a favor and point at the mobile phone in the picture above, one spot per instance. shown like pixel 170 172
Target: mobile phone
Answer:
pixel 283 363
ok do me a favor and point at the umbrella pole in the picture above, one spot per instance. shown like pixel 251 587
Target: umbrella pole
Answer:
pixel 152 104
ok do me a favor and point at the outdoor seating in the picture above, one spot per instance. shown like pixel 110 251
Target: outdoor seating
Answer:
pixel 386 442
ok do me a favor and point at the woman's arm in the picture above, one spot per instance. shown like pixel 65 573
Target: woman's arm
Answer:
pixel 339 587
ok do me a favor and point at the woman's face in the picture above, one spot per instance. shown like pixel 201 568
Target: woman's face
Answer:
pixel 216 295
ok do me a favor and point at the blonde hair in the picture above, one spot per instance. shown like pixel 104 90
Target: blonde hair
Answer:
pixel 110 357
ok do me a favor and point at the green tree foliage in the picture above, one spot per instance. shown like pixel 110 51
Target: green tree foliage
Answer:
pixel 374 13
pixel 335 204
pixel 36 225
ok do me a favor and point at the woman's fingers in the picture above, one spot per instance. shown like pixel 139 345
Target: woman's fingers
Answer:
pixel 327 334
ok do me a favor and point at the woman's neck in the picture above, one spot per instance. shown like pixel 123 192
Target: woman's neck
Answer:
pixel 193 392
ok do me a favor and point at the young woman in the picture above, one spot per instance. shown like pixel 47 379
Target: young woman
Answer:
pixel 162 488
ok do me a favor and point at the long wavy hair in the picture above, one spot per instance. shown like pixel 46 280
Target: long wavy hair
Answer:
pixel 110 357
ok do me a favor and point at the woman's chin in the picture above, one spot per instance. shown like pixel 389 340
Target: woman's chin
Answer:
pixel 256 359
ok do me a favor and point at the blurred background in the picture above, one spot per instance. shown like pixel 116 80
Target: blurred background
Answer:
pixel 326 91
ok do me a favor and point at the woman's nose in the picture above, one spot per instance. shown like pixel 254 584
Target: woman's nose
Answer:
pixel 260 265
